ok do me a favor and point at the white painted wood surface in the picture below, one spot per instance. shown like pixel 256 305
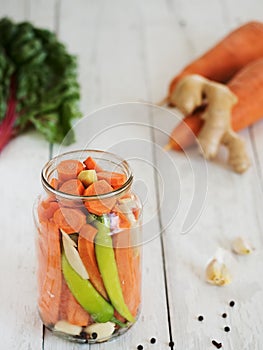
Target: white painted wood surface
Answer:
pixel 129 51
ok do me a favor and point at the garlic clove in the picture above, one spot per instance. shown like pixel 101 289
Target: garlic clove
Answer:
pixel 102 330
pixel 87 177
pixel 73 256
pixel 217 273
pixel 241 246
pixel 66 327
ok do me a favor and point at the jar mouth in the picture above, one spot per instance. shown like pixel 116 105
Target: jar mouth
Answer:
pixel 50 167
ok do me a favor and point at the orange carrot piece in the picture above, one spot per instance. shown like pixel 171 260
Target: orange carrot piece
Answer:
pixel 87 253
pixel 73 186
pixel 137 273
pixel 119 317
pixel 54 183
pixel 92 165
pixel 184 134
pixel 69 220
pixel 247 85
pixel 232 53
pixel 99 206
pixel 50 288
pixel 124 222
pixel 127 195
pixel 42 253
pixel 46 209
pixel 116 180
pixel 88 232
pixel 70 310
pixel 126 269
pixel 69 169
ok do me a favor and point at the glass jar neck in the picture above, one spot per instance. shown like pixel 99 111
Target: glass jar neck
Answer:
pixel 106 160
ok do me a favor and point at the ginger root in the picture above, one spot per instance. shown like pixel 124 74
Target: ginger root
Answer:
pixel 193 91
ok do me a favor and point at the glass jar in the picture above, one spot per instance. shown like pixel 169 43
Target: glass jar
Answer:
pixel 88 247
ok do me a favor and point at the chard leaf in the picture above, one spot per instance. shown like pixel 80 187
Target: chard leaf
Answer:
pixel 46 89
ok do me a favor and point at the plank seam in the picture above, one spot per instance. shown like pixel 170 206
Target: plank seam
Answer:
pixel 148 95
pixel 144 60
pixel 43 337
pixel 57 27
pixel 171 343
pixel 256 156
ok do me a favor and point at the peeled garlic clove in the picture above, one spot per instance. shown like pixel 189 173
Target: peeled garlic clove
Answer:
pixel 103 330
pixel 241 246
pixel 87 177
pixel 73 256
pixel 217 273
pixel 66 327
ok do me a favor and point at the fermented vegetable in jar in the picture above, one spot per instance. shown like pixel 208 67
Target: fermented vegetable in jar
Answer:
pixel 88 246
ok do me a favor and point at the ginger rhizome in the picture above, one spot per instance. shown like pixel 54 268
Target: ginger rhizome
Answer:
pixel 194 91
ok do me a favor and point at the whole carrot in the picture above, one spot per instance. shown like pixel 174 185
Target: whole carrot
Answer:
pixel 247 85
pixel 224 60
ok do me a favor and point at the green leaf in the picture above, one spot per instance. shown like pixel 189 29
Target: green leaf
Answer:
pixel 45 75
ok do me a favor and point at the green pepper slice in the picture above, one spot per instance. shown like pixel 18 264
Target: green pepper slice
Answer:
pixel 87 296
pixel 109 271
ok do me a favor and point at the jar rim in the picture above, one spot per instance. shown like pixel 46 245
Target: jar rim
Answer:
pixel 125 165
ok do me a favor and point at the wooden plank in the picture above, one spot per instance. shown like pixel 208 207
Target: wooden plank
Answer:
pixel 20 166
pixel 14 9
pixel 107 41
pixel 238 12
pixel 43 13
pixel 130 51
pixel 231 206
pixel 252 12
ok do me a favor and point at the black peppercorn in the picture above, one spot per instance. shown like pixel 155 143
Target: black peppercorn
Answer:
pixel 200 318
pixel 153 341
pixel 216 344
pixel 224 315
pixel 94 335
pixel 227 329
pixel 232 303
pixel 83 335
pixel 140 347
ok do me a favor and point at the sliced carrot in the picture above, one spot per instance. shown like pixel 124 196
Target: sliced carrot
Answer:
pixel 54 183
pixel 69 169
pixel 91 164
pixel 70 310
pixel 119 317
pixel 46 209
pixel 73 186
pixel 69 220
pixel 88 232
pixel 127 195
pixel 116 180
pixel 124 222
pixel 50 285
pixel 42 253
pixel 87 253
pixel 137 273
pixel 99 206
pixel 127 269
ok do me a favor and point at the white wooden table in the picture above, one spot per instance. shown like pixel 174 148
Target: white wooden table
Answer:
pixel 129 51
